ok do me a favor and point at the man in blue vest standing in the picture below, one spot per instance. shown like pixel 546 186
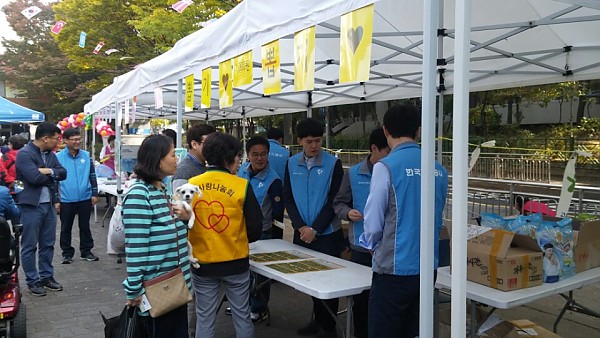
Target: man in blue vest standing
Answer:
pixel 268 191
pixel 278 154
pixel 393 226
pixel 312 180
pixel 349 205
pixel 78 194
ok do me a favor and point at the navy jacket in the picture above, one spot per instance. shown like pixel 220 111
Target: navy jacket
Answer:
pixel 29 160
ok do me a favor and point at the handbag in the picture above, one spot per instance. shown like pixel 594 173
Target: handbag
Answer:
pixel 169 291
pixel 126 325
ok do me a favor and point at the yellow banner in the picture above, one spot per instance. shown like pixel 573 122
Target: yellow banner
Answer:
pixel 304 59
pixel 242 69
pixel 356 35
pixel 270 68
pixel 206 87
pixel 189 92
pixel 225 85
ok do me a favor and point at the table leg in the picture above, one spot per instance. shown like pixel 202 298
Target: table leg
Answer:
pixel 572 305
pixel 349 314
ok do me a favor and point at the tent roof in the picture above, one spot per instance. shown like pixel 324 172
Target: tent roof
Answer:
pixel 11 112
pixel 513 43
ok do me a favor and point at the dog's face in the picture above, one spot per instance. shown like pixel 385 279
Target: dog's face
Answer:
pixel 187 191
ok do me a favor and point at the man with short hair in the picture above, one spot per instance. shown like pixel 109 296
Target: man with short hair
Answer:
pixel 393 226
pixel 39 170
pixel 312 180
pixel 193 164
pixel 78 194
pixel 349 205
pixel 268 190
pixel 278 154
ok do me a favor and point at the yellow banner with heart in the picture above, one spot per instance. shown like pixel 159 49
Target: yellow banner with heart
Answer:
pixel 356 35
pixel 304 59
pixel 270 68
pixel 206 87
pixel 225 85
pixel 242 69
pixel 189 92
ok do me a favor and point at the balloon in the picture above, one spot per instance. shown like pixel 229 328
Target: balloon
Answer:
pixel 82 115
pixel 103 133
pixel 70 120
pixel 64 123
pixel 78 119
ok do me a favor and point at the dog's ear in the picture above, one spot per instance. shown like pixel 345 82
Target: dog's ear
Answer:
pixel 178 190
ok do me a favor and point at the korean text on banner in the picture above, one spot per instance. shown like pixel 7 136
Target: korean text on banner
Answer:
pixel 206 87
pixel 189 92
pixel 304 59
pixel 242 69
pixel 270 68
pixel 355 45
pixel 225 85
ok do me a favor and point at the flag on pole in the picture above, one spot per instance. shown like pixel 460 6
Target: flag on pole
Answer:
pixel 110 51
pixel 270 68
pixel 242 69
pixel 356 35
pixel 126 113
pixel 189 92
pixel 31 11
pixel 304 59
pixel 82 37
pixel 58 26
pixel 98 47
pixel 180 6
pixel 158 98
pixel 206 87
pixel 568 186
pixel 225 84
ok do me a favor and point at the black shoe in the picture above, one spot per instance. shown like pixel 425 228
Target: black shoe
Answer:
pixel 51 284
pixel 228 311
pixel 310 329
pixel 328 333
pixel 37 289
pixel 258 317
pixel 90 257
pixel 66 260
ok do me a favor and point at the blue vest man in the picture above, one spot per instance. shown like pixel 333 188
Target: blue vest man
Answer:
pixel 392 226
pixel 278 155
pixel 267 188
pixel 349 205
pixel 312 180
pixel 78 194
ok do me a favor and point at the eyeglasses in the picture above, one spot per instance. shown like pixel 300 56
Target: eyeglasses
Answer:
pixel 256 155
pixel 76 140
pixel 54 138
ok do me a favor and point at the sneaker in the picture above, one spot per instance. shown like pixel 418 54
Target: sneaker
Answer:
pixel 66 260
pixel 89 257
pixel 258 317
pixel 310 329
pixel 37 289
pixel 228 311
pixel 51 284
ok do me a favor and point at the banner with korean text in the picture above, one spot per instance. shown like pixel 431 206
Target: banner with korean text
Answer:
pixel 189 92
pixel 206 87
pixel 270 68
pixel 242 69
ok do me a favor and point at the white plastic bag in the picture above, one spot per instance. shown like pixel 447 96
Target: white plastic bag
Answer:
pixel 115 243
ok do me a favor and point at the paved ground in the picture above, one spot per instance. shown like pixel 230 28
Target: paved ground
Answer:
pixel 93 287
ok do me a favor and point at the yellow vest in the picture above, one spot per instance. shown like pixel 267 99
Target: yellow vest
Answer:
pixel 219 232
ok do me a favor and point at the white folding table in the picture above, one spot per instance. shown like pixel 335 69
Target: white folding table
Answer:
pixel 498 299
pixel 348 280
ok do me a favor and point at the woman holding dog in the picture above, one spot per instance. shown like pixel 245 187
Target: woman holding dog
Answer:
pixel 227 218
pixel 155 233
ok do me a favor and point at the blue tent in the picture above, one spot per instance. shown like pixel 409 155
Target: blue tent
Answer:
pixel 13 113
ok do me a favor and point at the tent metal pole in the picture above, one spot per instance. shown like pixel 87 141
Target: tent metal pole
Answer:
pixel 441 85
pixel 179 112
pixel 430 21
pixel 440 126
pixel 462 18
pixel 327 136
pixel 309 104
pixel 245 157
pixel 118 147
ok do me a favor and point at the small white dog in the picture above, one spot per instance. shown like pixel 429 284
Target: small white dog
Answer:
pixel 184 195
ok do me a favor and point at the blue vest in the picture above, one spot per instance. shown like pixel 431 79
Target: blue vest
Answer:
pixel 311 187
pixel 260 182
pixel 278 156
pixel 360 182
pixel 76 187
pixel 399 250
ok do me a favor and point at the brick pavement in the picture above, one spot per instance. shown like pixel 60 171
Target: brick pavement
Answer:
pixel 91 287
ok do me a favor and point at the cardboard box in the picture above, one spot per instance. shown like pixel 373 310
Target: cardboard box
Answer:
pixel 586 247
pixel 504 260
pixel 528 328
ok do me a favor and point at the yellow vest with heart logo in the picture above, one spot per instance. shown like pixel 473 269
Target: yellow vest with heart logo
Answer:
pixel 219 232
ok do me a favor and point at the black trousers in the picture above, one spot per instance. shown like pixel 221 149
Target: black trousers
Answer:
pixel 360 309
pixel 333 245
pixel 67 216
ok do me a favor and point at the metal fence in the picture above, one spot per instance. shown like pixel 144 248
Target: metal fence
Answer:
pixel 530 168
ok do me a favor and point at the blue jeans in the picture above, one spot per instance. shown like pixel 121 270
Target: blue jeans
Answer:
pixel 39 235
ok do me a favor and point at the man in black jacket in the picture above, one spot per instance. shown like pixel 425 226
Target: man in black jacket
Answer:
pixel 39 170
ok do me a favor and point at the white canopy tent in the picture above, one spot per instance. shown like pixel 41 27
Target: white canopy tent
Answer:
pixel 471 46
